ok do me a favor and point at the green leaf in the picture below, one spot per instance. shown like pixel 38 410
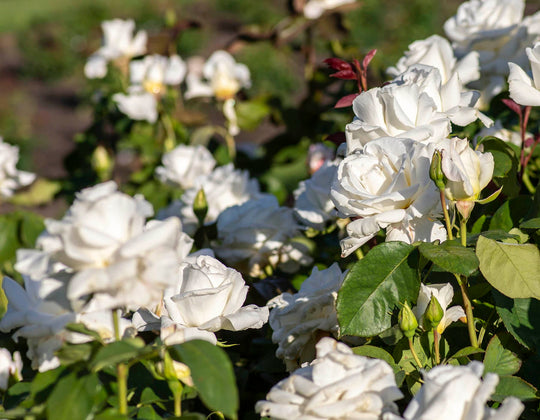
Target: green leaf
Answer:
pixel 511 213
pixel 521 317
pixel 500 360
pixel 512 386
pixel 212 374
pixel 467 351
pixel 116 352
pixel 148 413
pixel 512 269
pixel 531 224
pixel 251 113
pixel 81 329
pixel 9 241
pixel 41 192
pixel 451 257
pixel 73 397
pixel 374 286
pixel 375 353
pixel 503 155
pixel 31 226
pixel 72 353
pixel 3 299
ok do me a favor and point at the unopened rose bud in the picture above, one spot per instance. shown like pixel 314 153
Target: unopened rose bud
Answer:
pixel 102 163
pixel 434 313
pixel 407 321
pixel 435 170
pixel 200 206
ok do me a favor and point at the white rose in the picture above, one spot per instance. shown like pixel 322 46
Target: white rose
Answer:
pixel 468 171
pixel 314 9
pixel 97 224
pixel 182 165
pixel 444 294
pixel 153 72
pixel 313 206
pixel 523 89
pixel 386 184
pixel 209 296
pixel 10 177
pixel 416 105
pixel 139 270
pixel 137 104
pixel 298 319
pixel 118 42
pixel 437 52
pixel 224 77
pixel 318 154
pixel 9 366
pixel 224 187
pixel 41 316
pixel 337 385
pixel 459 393
pixel 256 234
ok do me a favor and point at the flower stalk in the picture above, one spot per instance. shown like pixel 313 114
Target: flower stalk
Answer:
pixel 468 310
pixel 121 370
pixel 415 356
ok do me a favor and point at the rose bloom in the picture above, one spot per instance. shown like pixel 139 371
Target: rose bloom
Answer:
pixel 149 80
pixel 224 77
pixel 258 233
pixel 41 310
pixel 497 30
pixel 468 171
pixel 314 9
pixel 10 366
pixel 458 393
pixel 297 320
pixel 523 89
pixel 386 185
pixel 313 206
pixel 337 385
pixel 118 43
pixel 416 105
pixel 437 52
pixel 10 177
pixel 183 164
pixel 444 294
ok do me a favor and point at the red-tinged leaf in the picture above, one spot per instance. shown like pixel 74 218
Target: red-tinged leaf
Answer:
pixel 345 75
pixel 357 65
pixel 512 105
pixel 367 59
pixel 346 101
pixel 337 138
pixel 337 64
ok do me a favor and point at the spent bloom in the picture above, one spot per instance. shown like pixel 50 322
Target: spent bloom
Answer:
pixel 299 319
pixel 458 393
pixel 386 185
pixel 10 366
pixel 149 80
pixel 119 43
pixel 444 294
pixel 337 385
pixel 258 233
pixel 183 164
pixel 10 177
pixel 437 52
pixel 523 89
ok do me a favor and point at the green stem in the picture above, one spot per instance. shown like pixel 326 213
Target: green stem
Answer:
pixel 178 404
pixel 416 359
pixel 436 339
pixel 446 215
pixel 463 231
pixel 121 370
pixel 468 310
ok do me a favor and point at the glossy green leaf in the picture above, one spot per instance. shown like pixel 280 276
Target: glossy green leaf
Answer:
pixel 451 257
pixel 73 397
pixel 500 360
pixel 512 269
pixel 212 374
pixel 467 351
pixel 510 213
pixel 378 283
pixel 72 353
pixel 503 156
pixel 521 317
pixel 375 353
pixel 116 352
pixel 531 224
pixel 148 413
pixel 513 386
